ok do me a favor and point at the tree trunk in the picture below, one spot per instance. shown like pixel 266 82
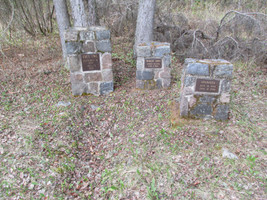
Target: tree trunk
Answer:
pixel 63 21
pixel 78 13
pixel 145 22
pixel 92 17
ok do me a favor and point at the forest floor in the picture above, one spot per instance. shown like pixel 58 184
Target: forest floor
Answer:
pixel 123 145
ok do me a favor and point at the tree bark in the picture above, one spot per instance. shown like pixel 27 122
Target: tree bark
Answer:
pixel 63 21
pixel 92 17
pixel 78 13
pixel 145 22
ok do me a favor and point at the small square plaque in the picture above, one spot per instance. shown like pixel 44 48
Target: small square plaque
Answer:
pixel 153 63
pixel 90 62
pixel 207 85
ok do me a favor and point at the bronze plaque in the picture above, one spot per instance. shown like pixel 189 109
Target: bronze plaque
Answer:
pixel 207 85
pixel 90 62
pixel 153 63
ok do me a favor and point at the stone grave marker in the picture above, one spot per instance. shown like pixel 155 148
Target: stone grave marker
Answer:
pixel 205 89
pixel 89 60
pixel 153 65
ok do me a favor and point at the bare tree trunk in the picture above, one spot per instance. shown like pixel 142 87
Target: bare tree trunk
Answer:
pixel 145 22
pixel 92 17
pixel 78 13
pixel 63 21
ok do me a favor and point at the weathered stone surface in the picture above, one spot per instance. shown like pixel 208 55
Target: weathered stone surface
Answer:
pixel 166 61
pixel 106 61
pixel 106 87
pixel 201 110
pixel 79 88
pixel 166 73
pixel 140 84
pixel 88 46
pixel 184 106
pixel 140 63
pixel 166 83
pixel 143 51
pixel 189 60
pixel 74 62
pixel 192 101
pixel 226 86
pixel 223 71
pixel 87 35
pixel 161 51
pixel 93 88
pixel 103 46
pixel 159 83
pixel 188 90
pixel 149 84
pixel 189 81
pixel 107 75
pixel 197 69
pixel 207 99
pixel 144 75
pixel 225 98
pixel 71 35
pixel 222 112
pixel 93 77
pixel 76 78
pixel 103 35
pixel 73 47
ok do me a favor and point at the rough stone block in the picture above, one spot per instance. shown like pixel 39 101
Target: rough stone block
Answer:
pixel 106 61
pixel 149 84
pixel 74 63
pixel 161 51
pixel 71 35
pixel 222 112
pixel 107 75
pixel 103 46
pixel 192 101
pixel 226 86
pixel 79 88
pixel 143 51
pixel 189 81
pixel 73 47
pixel 197 69
pixel 201 110
pixel 103 35
pixel 93 77
pixel 166 61
pixel 207 99
pixel 189 60
pixel 225 98
pixel 106 87
pixel 87 35
pixel 93 88
pixel 144 75
pixel 88 46
pixel 166 82
pixel 140 84
pixel 166 73
pixel 159 83
pixel 140 63
pixel 223 71
pixel 76 78
pixel 188 91
pixel 184 106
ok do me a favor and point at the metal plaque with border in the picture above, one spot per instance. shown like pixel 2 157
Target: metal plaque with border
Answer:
pixel 207 85
pixel 90 62
pixel 153 63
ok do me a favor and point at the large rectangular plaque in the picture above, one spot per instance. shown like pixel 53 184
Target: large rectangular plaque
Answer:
pixel 90 62
pixel 207 85
pixel 153 63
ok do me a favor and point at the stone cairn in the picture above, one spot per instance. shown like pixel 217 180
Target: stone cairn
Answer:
pixel 89 60
pixel 205 89
pixel 153 65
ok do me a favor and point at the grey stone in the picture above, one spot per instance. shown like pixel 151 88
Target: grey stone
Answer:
pixel 149 84
pixel 76 77
pixel 144 75
pixel 166 82
pixel 74 63
pixel 87 35
pixel 79 88
pixel 201 110
pixel 107 75
pixel 226 86
pixel 103 46
pixel 189 81
pixel 102 35
pixel 189 60
pixel 197 69
pixel 159 83
pixel 106 87
pixel 183 106
pixel 73 47
pixel 71 35
pixel 64 104
pixel 93 77
pixel 227 154
pixel 223 71
pixel 207 99
pixel 140 84
pixel 161 51
pixel 106 61
pixel 88 46
pixel 166 61
pixel 222 112
pixel 140 62
pixel 143 51
pixel 93 88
